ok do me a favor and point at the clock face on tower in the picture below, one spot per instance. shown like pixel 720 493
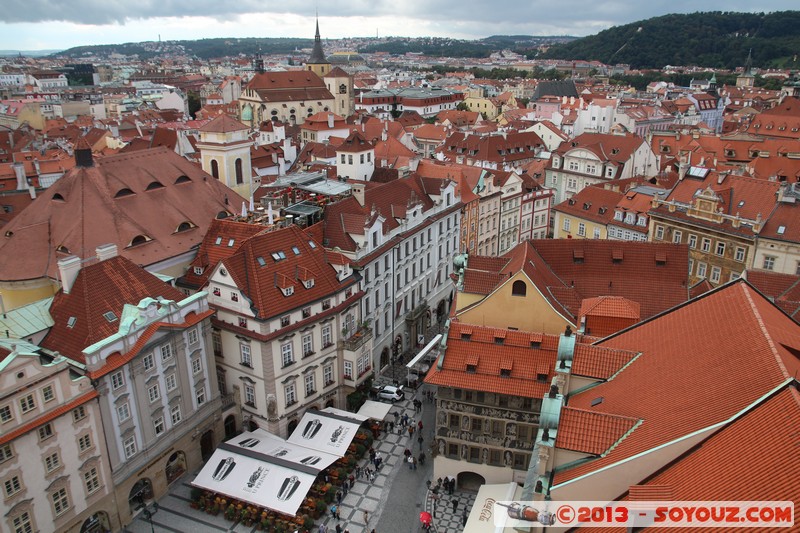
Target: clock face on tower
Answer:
pixel 343 89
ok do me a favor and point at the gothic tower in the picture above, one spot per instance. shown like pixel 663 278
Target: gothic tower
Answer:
pixel 317 63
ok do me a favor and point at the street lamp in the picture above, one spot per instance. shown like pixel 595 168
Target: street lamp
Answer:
pixel 146 512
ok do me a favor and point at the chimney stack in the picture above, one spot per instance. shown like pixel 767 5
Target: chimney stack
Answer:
pixel 83 154
pixel 19 172
pixel 68 269
pixel 330 120
pixel 106 251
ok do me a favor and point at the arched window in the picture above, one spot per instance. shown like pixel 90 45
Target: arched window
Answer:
pixel 154 185
pixel 239 175
pixel 183 226
pixel 183 179
pixel 519 288
pixel 123 192
pixel 139 239
pixel 215 168
pixel 57 196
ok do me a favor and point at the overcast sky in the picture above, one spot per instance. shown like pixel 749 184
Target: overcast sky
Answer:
pixel 60 24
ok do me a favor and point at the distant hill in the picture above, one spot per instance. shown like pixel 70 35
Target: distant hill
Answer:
pixel 712 39
pixel 446 47
pixel 27 53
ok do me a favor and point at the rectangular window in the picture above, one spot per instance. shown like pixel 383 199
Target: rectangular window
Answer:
pixel 701 270
pixel 327 375
pixel 720 250
pixel 117 380
pixel 48 394
pixel 27 403
pixel 171 382
pixel 769 262
pixel 148 362
pixel 348 369
pixel 197 365
pixel 308 347
pixel 166 352
pixel 291 394
pixel 287 357
pixel 129 446
pixel 5 453
pixel 192 335
pixel 175 414
pixel 309 382
pixel 249 395
pixel 91 480
pixel 12 486
pixel 739 256
pixel 659 233
pixel 123 412
pixel 692 241
pixel 60 501
pixel 51 462
pixel 327 339
pixel 200 396
pixel 85 442
pixel 566 224
pixel 5 414
pixel 285 321
pixel 677 236
pixel 715 274
pixel 244 349
pixel 153 393
pixel 596 233
pixel 706 245
pixel 45 432
pixel 581 229
pixel 216 340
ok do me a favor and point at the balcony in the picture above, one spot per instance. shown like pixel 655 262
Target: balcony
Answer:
pixel 357 339
pixel 228 401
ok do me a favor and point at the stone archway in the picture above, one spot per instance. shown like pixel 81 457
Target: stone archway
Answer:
pixel 97 523
pixel 441 312
pixel 207 445
pixel 230 427
pixel 291 427
pixel 330 403
pixel 176 464
pixel 470 481
pixel 140 494
pixel 385 357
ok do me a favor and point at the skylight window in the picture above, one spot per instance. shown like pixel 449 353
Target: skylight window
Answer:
pixel 741 203
pixel 71 322
pixel 597 401
pixel 296 250
pixel 312 244
pixel 261 261
pixel 219 240
pixel 230 242
pixel 110 316
pixel 781 229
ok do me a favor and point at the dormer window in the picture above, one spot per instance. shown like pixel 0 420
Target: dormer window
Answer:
pixel 308 283
pixel 471 369
pixel 499 340
pixel 618 216
pixel 198 271
pixel 505 372
pixel 287 291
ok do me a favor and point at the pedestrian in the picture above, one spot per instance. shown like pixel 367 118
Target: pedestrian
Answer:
pixel 322 529
pixel 339 496
pixel 333 511
pixel 428 484
pixel 345 487
pixel 366 518
pixel 410 431
pixel 407 452
pixel 455 504
pixel 422 458
pixel 464 517
pixel 391 426
pixel 420 440
pixel 396 416
pixel 371 476
pixel 338 528
pixel 338 514
pixel 410 462
pixel 413 463
pixel 419 425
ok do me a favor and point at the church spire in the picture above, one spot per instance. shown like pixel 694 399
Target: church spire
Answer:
pixel 317 54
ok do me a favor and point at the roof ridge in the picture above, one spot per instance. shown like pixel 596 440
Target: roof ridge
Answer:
pixel 766 333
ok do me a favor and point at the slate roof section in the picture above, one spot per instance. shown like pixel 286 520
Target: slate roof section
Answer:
pixel 555 88
pixel 696 369
pixel 102 287
pixel 585 431
pixel 121 197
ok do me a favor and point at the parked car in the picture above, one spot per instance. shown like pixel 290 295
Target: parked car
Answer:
pixel 391 393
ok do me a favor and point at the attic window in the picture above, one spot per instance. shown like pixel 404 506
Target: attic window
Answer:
pixel 218 240
pixel 665 148
pixel 541 378
pixel 71 322
pixel 586 206
pixel 182 179
pixel 223 214
pixel 465 336
pixel 154 185
pixel 287 291
pixel 536 344
pixel 296 250
pixel 261 261
pixel 110 316
pixel 505 372
pixel 184 226
pixel 499 340
pixel 139 239
pixel 308 283
pixel 615 151
pixel 121 193
pixel 781 229
pixel 740 204
pixel 312 244
pixel 616 255
pixel 230 242
pixel 597 401
pixel 9 234
pixel 279 255
pixel 62 249
pixel 661 258
pixel 198 271
pixel 57 196
pixel 577 256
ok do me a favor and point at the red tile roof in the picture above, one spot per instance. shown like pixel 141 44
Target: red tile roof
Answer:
pixel 482 350
pixel 695 369
pixel 589 432
pixel 119 198
pixel 223 124
pixel 102 287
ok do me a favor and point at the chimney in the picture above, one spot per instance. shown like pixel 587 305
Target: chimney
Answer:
pixel 330 120
pixel 19 171
pixel 358 193
pixel 68 269
pixel 106 251
pixel 83 154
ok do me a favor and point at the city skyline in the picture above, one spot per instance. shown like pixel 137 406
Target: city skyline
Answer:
pixel 44 24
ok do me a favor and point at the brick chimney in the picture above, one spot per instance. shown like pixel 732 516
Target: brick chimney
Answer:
pixel 68 269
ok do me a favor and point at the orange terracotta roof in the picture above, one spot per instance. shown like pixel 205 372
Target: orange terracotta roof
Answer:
pixel 589 432
pixel 695 369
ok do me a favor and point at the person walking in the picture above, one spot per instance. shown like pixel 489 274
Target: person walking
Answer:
pixel 338 528
pixel 413 463
pixel 420 440
pixel 333 511
pixel 411 431
pixel 366 518
pixel 338 514
pixel 419 425
pixel 455 504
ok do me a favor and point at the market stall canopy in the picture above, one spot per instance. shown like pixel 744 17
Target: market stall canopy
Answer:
pixel 263 442
pixel 326 432
pixel 374 410
pixel 343 413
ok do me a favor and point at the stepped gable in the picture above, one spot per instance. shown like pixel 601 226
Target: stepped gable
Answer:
pixel 696 369
pixel 153 204
pixel 100 288
pixel 259 275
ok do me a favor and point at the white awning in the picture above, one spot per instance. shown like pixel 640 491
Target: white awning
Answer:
pixel 342 412
pixel 428 347
pixel 325 432
pixel 264 442
pixel 375 410
pixel 481 519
